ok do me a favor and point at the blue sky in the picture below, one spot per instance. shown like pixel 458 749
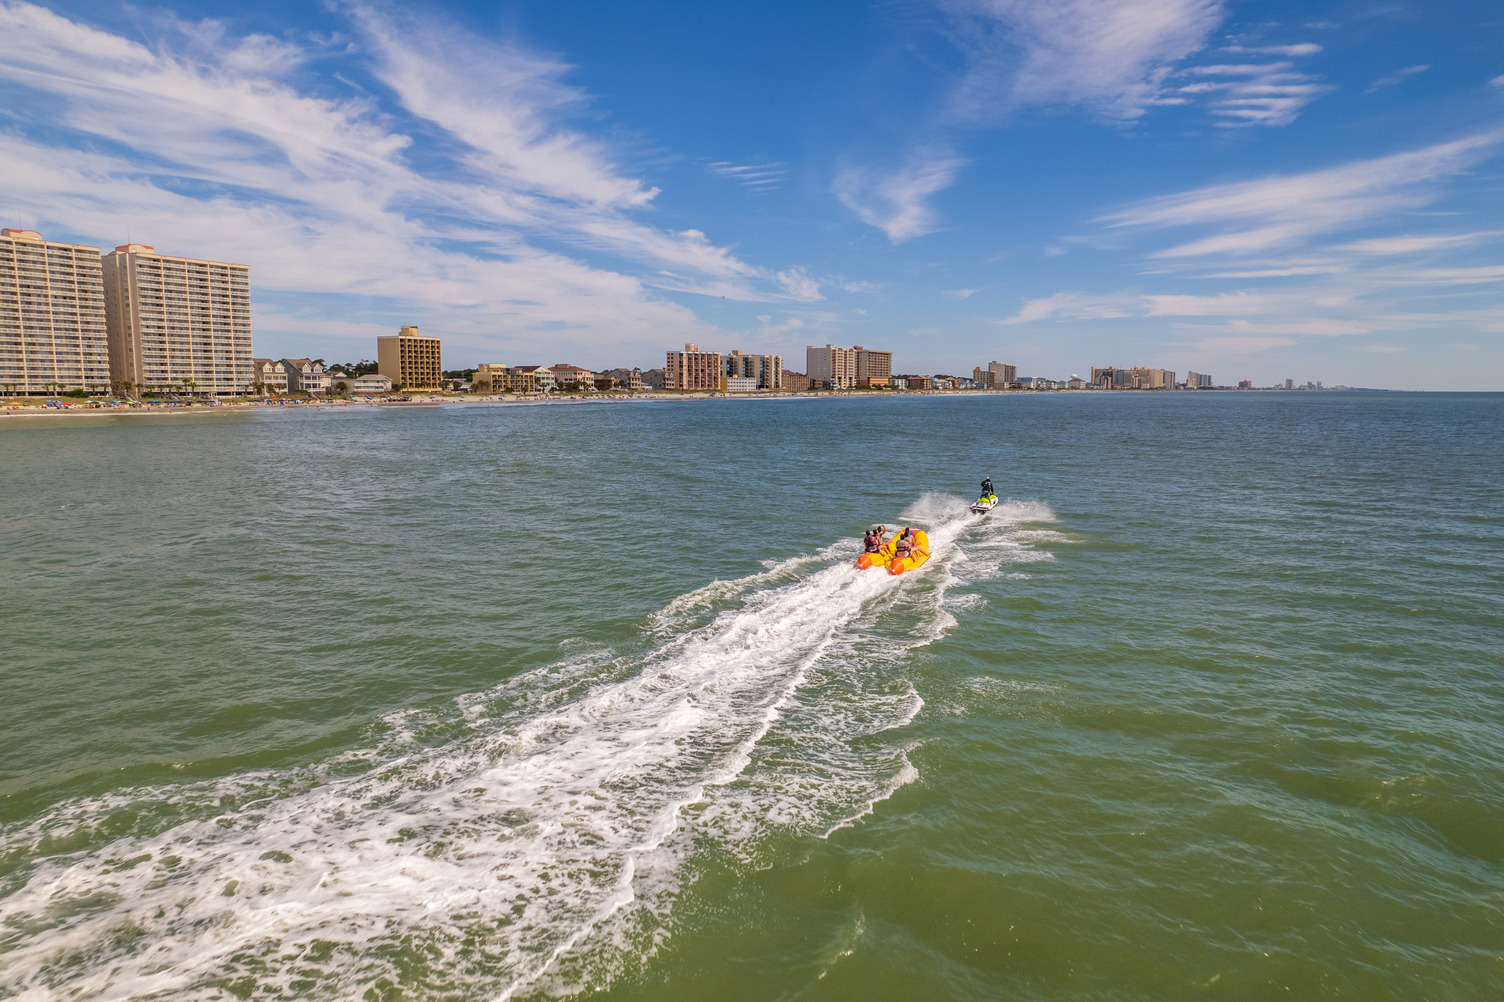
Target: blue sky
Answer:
pixel 1255 190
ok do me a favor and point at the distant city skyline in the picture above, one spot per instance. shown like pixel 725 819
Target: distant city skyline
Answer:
pixel 1282 191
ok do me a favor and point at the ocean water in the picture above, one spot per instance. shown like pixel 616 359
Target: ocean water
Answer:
pixel 533 702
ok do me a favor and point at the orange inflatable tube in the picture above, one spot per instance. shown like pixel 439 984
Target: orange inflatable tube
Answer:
pixel 919 552
pixel 878 559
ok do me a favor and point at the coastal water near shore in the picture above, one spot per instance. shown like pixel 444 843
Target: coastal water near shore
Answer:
pixel 484 702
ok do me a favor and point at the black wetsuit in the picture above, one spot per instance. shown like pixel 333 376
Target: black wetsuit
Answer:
pixel 987 487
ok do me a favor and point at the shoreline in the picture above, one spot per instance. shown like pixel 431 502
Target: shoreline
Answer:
pixel 84 410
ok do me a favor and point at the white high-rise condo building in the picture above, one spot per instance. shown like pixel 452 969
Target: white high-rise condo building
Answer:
pixel 177 322
pixel 836 365
pixel 52 317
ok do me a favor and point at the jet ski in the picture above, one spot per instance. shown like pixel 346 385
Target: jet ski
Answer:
pixel 919 552
pixel 984 504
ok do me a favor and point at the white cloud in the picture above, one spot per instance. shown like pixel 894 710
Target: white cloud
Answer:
pixel 1397 78
pixel 1416 243
pixel 1256 93
pixel 959 293
pixel 1243 303
pixel 898 202
pixel 1248 94
pixel 203 145
pixel 1452 276
pixel 1304 328
pixel 1286 210
pixel 798 285
pixel 1074 306
pixel 1241 345
pixel 1291 51
pixel 1497 81
pixel 758 177
pixel 1111 56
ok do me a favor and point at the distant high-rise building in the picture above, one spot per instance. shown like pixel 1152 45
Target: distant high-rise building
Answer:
pixel 1289 384
pixel 1003 376
pixel 830 364
pixel 410 360
pixel 693 369
pixel 178 322
pixel 873 368
pixel 766 371
pixel 53 335
pixel 1197 381
pixel 1140 378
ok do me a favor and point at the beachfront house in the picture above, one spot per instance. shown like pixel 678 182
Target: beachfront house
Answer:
pixel 525 379
pixel 369 384
pixel 625 379
pixel 572 378
pixel 269 375
pixel 306 376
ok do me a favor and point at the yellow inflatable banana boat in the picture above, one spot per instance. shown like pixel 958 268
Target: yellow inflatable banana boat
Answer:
pixel 911 557
pixel 878 558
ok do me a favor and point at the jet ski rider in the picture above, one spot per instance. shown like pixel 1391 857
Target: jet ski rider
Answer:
pixel 987 490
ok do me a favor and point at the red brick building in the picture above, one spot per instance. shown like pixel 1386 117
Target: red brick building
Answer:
pixel 693 369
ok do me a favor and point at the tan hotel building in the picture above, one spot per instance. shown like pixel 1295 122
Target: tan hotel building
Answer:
pixel 178 322
pixel 410 360
pixel 53 335
pixel 873 368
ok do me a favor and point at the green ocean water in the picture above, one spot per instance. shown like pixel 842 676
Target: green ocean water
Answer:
pixel 551 701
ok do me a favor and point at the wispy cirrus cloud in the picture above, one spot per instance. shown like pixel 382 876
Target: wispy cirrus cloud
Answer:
pixel 1415 243
pixel 1287 210
pixel 897 202
pixel 216 146
pixel 1109 56
pixel 1397 78
pixel 1251 94
pixel 1075 306
pixel 758 177
pixel 1299 49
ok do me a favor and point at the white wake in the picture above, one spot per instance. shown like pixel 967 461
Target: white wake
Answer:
pixel 549 821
